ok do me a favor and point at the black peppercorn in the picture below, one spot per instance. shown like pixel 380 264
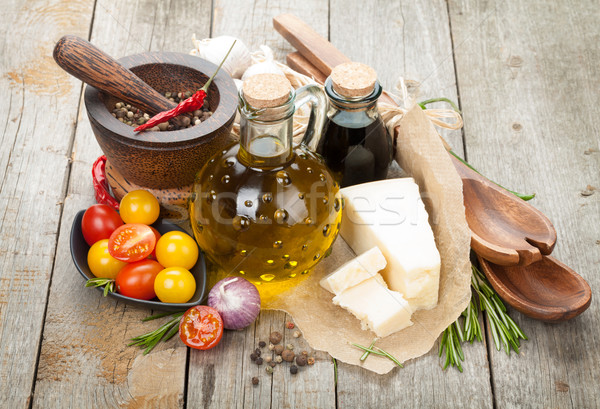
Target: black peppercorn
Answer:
pixel 259 361
pixel 257 352
pixel 254 380
pixel 253 356
pixel 294 369
pixel 262 344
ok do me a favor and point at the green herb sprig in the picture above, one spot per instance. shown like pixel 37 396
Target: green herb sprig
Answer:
pixel 107 283
pixel 378 351
pixel 164 333
pixel 423 105
pixel 505 331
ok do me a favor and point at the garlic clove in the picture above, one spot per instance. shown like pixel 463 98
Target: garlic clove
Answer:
pixel 215 49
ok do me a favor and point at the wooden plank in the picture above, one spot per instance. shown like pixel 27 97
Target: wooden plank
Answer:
pixel 225 373
pixel 410 39
pixel 84 360
pixel 37 119
pixel 529 81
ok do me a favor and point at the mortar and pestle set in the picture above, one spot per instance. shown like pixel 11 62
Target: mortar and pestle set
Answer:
pixel 512 244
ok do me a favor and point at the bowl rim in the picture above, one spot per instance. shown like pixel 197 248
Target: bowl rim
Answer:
pixel 222 116
pixel 76 241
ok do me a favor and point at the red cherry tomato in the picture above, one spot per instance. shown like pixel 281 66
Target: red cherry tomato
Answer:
pixel 201 327
pixel 98 223
pixel 157 235
pixel 136 280
pixel 131 242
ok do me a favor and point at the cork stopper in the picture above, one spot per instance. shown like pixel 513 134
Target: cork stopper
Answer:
pixel 266 90
pixel 353 79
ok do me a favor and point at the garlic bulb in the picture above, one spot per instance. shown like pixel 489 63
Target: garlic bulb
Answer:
pixel 214 50
pixel 266 66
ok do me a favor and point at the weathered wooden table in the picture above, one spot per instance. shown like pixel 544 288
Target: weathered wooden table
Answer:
pixel 527 78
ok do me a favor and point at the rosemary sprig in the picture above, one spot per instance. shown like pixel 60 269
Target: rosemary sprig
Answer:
pixel 423 104
pixel 108 283
pixel 378 351
pixel 525 197
pixel 505 331
pixel 335 373
pixel 366 354
pixel 163 333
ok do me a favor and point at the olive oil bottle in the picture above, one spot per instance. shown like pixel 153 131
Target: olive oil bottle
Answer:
pixel 356 145
pixel 264 209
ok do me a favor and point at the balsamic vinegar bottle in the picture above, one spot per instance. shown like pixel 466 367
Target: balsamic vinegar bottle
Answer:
pixel 356 144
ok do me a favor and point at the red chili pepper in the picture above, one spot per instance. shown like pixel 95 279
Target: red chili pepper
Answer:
pixel 101 188
pixel 191 104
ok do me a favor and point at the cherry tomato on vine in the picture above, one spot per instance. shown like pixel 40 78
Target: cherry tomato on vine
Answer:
pixel 177 249
pixel 201 327
pixel 136 280
pixel 139 206
pixel 101 263
pixel 98 223
pixel 175 285
pixel 131 242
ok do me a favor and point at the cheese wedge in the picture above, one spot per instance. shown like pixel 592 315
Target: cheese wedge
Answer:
pixel 380 310
pixel 355 271
pixel 390 214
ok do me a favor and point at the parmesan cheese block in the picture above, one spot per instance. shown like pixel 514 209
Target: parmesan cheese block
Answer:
pixel 390 214
pixel 379 309
pixel 355 271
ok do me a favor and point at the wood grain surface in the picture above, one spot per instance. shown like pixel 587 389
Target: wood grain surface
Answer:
pixel 526 75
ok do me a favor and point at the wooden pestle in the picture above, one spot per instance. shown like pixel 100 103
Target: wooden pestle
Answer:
pixel 86 62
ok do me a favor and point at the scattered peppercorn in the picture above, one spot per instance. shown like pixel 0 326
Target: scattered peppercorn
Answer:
pixel 290 325
pixel 262 344
pixel 305 353
pixel 257 352
pixel 272 364
pixel 278 359
pixel 259 361
pixel 297 334
pixel 275 337
pixel 253 356
pixel 269 369
pixel 310 361
pixel 301 360
pixel 290 347
pixel 254 380
pixel 271 347
pixel 278 349
pixel 288 355
pixel 268 359
pixel 293 369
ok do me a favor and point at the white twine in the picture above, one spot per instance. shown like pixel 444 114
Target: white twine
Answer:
pixel 391 114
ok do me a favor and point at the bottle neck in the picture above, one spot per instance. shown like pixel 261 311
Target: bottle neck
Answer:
pixel 266 134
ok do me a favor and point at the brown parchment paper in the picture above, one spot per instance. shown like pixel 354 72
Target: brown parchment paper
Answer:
pixel 326 327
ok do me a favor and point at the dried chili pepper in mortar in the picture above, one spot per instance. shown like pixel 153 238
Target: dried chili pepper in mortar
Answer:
pixel 101 185
pixel 191 104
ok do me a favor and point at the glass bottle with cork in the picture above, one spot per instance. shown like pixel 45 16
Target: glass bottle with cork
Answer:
pixel 356 144
pixel 265 209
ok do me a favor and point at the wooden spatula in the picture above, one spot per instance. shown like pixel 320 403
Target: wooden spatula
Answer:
pixel 505 229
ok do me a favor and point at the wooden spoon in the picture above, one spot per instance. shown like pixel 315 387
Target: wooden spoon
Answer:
pixel 86 62
pixel 504 229
pixel 546 290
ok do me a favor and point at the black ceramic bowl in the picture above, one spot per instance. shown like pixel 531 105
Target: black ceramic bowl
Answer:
pixel 79 251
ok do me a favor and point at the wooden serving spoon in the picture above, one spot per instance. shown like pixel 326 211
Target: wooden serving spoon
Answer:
pixel 546 290
pixel 86 62
pixel 504 229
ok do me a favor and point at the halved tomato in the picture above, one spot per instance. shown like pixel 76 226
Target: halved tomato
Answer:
pixel 131 242
pixel 201 327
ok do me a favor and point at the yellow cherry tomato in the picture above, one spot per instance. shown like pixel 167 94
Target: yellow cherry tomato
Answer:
pixel 177 249
pixel 139 206
pixel 101 263
pixel 174 285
